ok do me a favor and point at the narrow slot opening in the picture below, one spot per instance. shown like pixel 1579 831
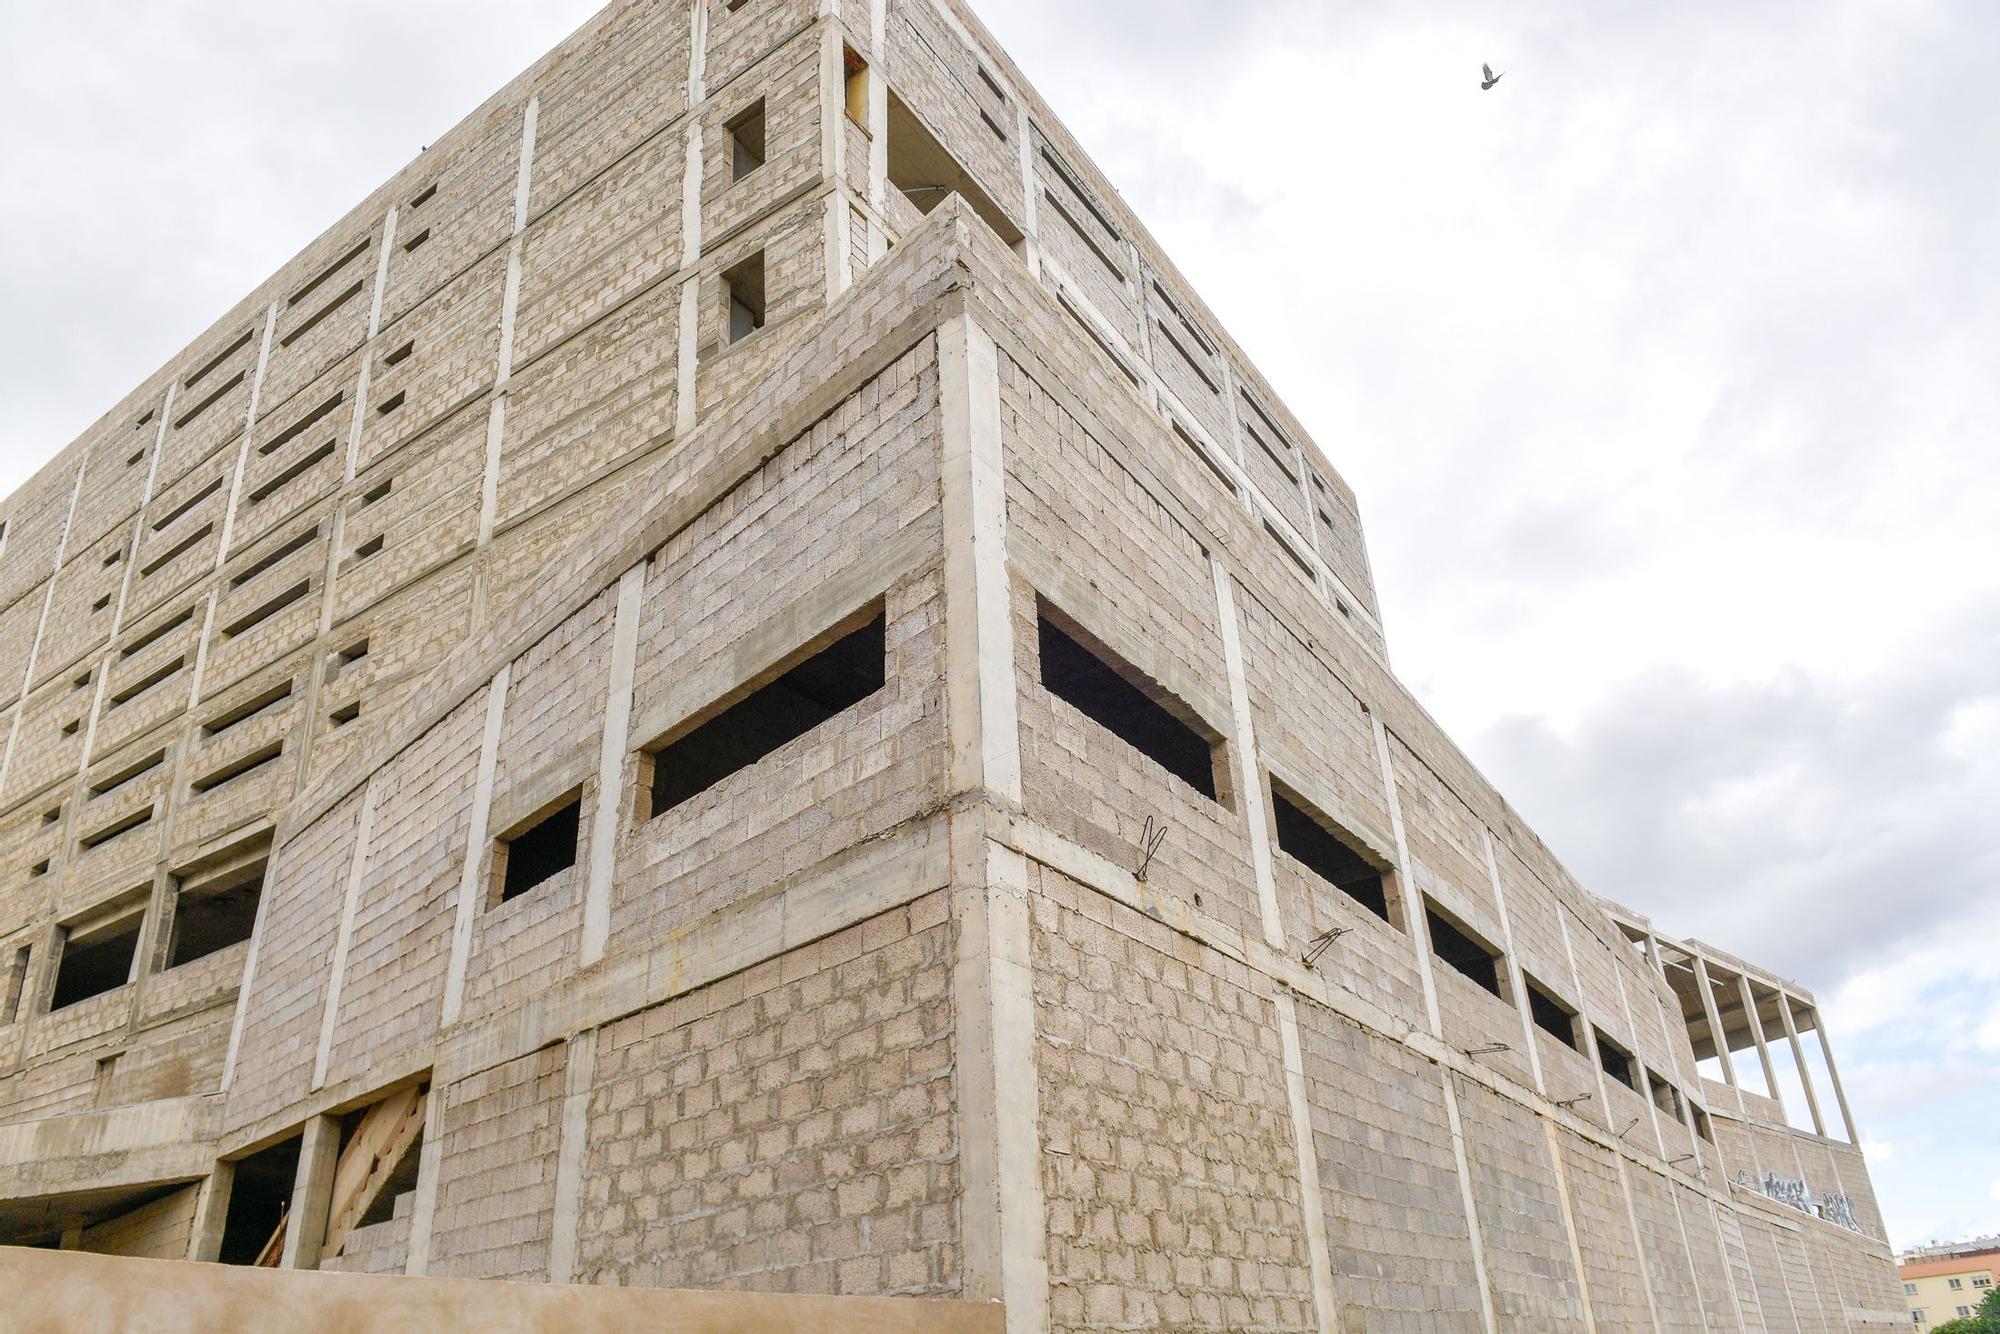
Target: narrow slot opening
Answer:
pixel 401 354
pixel 189 381
pixel 367 549
pixel 743 293
pixel 1103 689
pixel 147 682
pixel 265 610
pixel 1201 451
pixel 112 557
pixel 166 520
pixel 120 826
pixel 1463 951
pixel 102 603
pixel 215 396
pixel 423 196
pixel 95 961
pixel 240 766
pixel 347 657
pixel 354 252
pixel 1314 841
pixel 1664 1095
pixel 247 710
pixel 303 424
pixel 805 695
pixel 344 715
pixel 390 404
pixel 137 769
pixel 745 136
pixel 539 851
pixel 180 548
pixel 304 464
pixel 377 493
pixel 273 558
pixel 145 641
pixel 313 321
pixel 410 246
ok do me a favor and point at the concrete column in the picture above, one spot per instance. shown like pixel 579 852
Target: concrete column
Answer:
pixel 611 764
pixel 1763 1047
pixel 1004 1217
pixel 312 1193
pixel 211 1213
pixel 1406 887
pixel 469 889
pixel 1516 982
pixel 357 866
pixel 1799 1060
pixel 579 1072
pixel 1714 1017
pixel 1249 775
pixel 1833 1073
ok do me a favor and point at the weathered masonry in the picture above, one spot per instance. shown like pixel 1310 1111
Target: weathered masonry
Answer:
pixel 731 683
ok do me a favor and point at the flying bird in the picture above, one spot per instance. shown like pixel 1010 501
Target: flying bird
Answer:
pixel 1491 77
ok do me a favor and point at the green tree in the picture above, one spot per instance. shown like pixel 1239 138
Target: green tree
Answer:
pixel 1985 1320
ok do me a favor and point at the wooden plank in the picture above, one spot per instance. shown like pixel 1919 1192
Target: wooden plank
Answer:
pixel 386 1132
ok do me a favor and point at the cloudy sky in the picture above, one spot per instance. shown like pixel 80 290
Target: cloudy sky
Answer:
pixel 1666 372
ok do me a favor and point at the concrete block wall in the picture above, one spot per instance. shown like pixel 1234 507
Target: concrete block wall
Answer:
pixel 483 463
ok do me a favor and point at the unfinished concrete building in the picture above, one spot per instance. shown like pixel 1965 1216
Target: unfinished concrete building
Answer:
pixel 732 684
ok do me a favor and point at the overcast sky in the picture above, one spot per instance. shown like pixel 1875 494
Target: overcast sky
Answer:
pixel 1666 373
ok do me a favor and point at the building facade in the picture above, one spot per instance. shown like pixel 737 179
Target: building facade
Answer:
pixel 732 683
pixel 1942 1283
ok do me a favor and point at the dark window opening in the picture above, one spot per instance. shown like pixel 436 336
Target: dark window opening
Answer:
pixel 1464 953
pixel 259 1193
pixel 831 681
pixel 1665 1096
pixel 95 962
pixel 248 709
pixel 213 914
pixel 353 653
pixel 1102 693
pixel 1551 1015
pixel 344 715
pixel 541 851
pixel 402 1178
pixel 745 136
pixel 124 824
pixel 1702 1126
pixel 1616 1062
pixel 1305 836
pixel 743 292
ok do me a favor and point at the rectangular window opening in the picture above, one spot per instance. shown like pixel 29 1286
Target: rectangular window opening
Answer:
pixel 1616 1061
pixel 344 715
pixel 410 246
pixel 369 548
pixel 1314 841
pixel 830 681
pixel 857 86
pixel 353 653
pixel 745 134
pixel 1463 951
pixel 130 773
pixel 539 851
pixel 189 381
pixel 390 404
pixel 926 172
pixel 214 911
pixel 354 252
pixel 1551 1015
pixel 101 603
pixel 215 396
pixel 1665 1096
pixel 314 320
pixel 95 960
pixel 401 354
pixel 377 493
pixel 1104 690
pixel 260 1191
pixel 422 197
pixel 743 290
pixel 1703 1126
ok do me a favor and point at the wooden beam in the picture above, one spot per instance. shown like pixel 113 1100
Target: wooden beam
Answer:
pixel 386 1132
